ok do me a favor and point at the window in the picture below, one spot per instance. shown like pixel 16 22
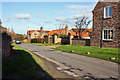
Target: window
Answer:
pixel 35 34
pixel 108 34
pixel 107 11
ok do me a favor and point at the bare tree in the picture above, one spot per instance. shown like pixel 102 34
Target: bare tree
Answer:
pixel 82 22
pixel 61 25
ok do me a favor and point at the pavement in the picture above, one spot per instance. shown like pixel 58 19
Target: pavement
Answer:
pixel 74 64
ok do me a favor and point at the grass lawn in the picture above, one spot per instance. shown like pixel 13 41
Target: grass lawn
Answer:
pixel 96 52
pixel 23 64
pixel 45 44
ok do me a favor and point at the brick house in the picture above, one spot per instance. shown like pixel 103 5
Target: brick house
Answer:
pixel 111 26
pixel 35 34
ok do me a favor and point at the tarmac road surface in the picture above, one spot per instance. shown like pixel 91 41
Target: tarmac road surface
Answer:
pixel 77 64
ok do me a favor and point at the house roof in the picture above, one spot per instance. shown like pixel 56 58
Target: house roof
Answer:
pixel 83 34
pixel 83 29
pixel 30 31
pixel 72 32
pixel 55 31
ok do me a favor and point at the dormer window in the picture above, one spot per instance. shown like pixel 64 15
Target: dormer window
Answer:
pixel 35 34
pixel 108 11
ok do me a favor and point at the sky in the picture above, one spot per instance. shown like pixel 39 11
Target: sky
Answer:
pixel 23 16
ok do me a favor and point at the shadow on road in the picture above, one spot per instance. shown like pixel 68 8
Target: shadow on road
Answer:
pixel 21 65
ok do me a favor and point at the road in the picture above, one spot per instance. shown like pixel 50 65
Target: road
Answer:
pixel 77 64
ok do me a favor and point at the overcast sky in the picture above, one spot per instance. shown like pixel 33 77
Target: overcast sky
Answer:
pixel 23 16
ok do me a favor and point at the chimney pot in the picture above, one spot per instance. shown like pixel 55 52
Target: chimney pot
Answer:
pixel 41 28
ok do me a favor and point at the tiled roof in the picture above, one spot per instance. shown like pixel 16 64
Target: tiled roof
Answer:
pixel 83 34
pixel 55 31
pixel 75 29
pixel 30 31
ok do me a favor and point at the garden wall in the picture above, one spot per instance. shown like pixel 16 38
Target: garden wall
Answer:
pixel 83 42
pixel 65 40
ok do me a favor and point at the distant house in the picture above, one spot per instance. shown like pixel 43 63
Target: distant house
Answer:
pixel 59 31
pixel 86 33
pixel 36 34
pixel 72 32
pixel 111 26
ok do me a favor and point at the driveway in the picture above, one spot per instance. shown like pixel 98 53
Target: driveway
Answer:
pixel 76 65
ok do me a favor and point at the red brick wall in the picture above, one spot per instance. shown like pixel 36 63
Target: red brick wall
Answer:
pixel 107 23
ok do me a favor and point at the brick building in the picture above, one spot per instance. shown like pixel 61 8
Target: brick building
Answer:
pixel 111 25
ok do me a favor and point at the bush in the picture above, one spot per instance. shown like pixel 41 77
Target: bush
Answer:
pixel 37 40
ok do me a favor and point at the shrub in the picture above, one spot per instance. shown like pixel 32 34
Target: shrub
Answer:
pixel 63 36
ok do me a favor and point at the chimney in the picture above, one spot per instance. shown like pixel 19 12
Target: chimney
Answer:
pixel 41 28
pixel 66 29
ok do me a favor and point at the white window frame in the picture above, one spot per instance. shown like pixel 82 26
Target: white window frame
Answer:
pixel 107 34
pixel 108 11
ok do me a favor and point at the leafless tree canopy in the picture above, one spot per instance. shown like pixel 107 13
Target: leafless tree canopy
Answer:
pixel 81 23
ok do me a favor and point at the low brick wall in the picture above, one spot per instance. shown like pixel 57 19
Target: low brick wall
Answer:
pixel 83 42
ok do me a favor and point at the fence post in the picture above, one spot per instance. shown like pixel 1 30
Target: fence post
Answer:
pixel 55 37
pixel 70 39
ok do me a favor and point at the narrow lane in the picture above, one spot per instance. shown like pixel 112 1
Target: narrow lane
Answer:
pixel 81 64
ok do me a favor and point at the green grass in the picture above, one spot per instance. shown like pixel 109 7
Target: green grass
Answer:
pixel 45 44
pixel 23 64
pixel 96 52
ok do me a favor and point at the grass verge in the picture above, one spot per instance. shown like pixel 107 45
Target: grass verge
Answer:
pixel 23 64
pixel 96 52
